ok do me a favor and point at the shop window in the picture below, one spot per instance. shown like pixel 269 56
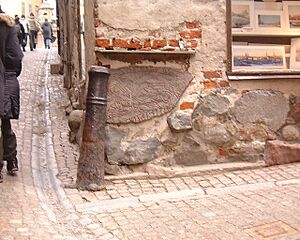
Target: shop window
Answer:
pixel 263 36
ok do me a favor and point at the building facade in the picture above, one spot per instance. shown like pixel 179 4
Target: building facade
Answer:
pixel 178 95
pixel 19 7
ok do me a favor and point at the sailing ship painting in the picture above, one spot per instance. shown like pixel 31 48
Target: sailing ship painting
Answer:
pixel 252 57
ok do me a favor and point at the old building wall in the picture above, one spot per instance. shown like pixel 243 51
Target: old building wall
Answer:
pixel 70 51
pixel 171 104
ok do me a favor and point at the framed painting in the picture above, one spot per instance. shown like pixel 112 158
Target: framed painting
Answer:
pixel 269 20
pixel 292 15
pixel 258 57
pixel 242 16
pixel 295 54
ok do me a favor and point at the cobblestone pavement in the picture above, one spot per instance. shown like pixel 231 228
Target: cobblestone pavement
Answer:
pixel 261 203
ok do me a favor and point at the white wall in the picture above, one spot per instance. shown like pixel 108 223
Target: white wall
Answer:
pixel 11 7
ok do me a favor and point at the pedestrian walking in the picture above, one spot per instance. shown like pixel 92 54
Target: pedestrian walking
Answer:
pixel 47 33
pixel 11 61
pixel 34 28
pixel 24 23
pixel 20 32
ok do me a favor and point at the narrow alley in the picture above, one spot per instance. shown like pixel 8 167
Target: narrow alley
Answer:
pixel 41 202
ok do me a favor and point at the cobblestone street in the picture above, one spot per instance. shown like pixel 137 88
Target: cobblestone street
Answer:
pixel 42 203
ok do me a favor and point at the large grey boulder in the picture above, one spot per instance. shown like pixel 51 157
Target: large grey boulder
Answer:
pixel 114 137
pixel 212 105
pixel 262 106
pixel 128 152
pixel 180 120
pixel 142 151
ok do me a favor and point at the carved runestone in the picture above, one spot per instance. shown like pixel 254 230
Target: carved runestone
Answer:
pixel 138 94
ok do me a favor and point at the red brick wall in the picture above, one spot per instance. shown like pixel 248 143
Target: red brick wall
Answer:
pixel 189 32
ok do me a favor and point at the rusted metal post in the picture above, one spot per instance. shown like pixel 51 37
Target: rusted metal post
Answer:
pixel 90 175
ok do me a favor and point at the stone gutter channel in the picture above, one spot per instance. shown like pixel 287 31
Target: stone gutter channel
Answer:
pixel 43 162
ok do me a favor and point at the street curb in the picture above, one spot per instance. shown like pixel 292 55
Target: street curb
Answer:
pixel 189 171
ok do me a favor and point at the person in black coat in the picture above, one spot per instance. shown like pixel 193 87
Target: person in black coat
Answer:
pixel 20 33
pixel 11 60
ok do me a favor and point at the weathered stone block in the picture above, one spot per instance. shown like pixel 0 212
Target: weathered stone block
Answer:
pixel 190 157
pixel 295 108
pixel 142 151
pixel 262 106
pixel 112 169
pixel 217 135
pixel 246 151
pixel 253 132
pixel 137 94
pixel 212 105
pixel 74 119
pixel 181 120
pixel 114 139
pixel 290 133
pixel 279 152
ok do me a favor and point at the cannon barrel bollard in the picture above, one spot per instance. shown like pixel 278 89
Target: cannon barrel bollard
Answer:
pixel 90 174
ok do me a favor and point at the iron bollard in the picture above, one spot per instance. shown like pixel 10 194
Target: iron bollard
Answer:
pixel 90 174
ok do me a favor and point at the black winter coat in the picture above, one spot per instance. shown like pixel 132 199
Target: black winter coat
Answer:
pixel 11 56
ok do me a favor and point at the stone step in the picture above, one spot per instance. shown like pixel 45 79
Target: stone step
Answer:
pixel 279 152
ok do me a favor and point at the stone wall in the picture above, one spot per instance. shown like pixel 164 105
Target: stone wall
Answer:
pixel 171 104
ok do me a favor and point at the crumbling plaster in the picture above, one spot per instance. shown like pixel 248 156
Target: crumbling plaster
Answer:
pixel 135 18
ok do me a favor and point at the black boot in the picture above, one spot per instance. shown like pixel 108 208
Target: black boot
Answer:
pixel 12 167
pixel 1 176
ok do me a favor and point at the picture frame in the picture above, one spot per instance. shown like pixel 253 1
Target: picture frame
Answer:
pixel 268 5
pixel 295 54
pixel 242 16
pixel 291 11
pixel 269 20
pixel 258 57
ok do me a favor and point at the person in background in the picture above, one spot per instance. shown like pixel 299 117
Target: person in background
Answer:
pixel 24 23
pixel 11 61
pixel 34 28
pixel 47 33
pixel 20 33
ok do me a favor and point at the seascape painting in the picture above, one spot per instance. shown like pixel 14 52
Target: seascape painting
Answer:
pixel 240 15
pixel 270 21
pixel 294 16
pixel 253 57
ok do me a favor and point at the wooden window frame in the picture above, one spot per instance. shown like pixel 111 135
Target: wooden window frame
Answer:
pixel 252 75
